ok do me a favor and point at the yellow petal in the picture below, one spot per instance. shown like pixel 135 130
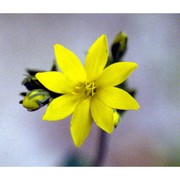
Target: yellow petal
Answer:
pixel 81 122
pixel 61 107
pixel 69 64
pixel 96 58
pixel 116 74
pixel 117 98
pixel 55 81
pixel 102 115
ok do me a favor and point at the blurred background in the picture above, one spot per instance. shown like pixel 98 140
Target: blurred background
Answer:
pixel 148 137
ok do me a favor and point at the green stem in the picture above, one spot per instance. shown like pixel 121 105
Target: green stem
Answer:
pixel 102 148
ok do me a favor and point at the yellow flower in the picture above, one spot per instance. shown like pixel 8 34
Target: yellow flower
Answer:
pixel 87 92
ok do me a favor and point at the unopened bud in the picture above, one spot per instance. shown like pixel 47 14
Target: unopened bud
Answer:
pixel 36 99
pixel 116 118
pixel 31 83
pixel 119 46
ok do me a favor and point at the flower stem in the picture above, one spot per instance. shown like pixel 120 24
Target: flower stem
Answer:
pixel 101 149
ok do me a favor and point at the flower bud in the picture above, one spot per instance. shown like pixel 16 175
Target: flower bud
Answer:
pixel 116 118
pixel 119 46
pixel 35 99
pixel 31 83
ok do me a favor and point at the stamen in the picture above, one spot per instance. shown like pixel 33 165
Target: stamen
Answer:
pixel 78 89
pixel 86 89
pixel 90 89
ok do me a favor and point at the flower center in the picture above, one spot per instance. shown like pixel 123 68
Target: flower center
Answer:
pixel 90 89
pixel 87 89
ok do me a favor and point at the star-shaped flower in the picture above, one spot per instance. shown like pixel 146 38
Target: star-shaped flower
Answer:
pixel 87 92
